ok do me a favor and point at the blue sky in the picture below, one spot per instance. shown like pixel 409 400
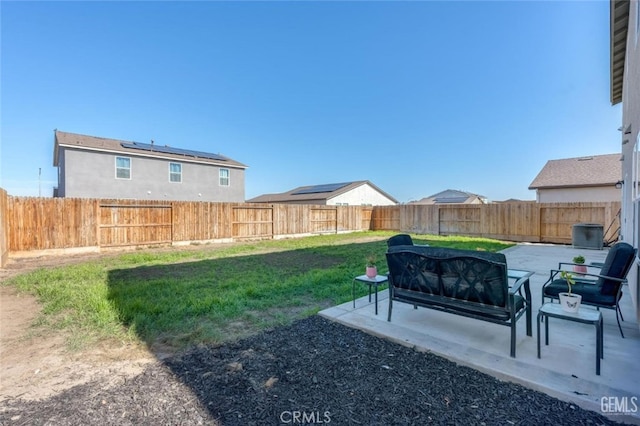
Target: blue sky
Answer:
pixel 417 97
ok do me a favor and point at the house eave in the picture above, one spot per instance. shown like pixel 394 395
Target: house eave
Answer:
pixel 598 185
pixel 155 155
pixel 619 24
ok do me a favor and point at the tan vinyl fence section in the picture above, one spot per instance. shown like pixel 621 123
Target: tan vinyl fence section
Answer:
pixel 30 224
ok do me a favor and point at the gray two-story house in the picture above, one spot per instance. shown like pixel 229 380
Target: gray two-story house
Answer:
pixel 95 167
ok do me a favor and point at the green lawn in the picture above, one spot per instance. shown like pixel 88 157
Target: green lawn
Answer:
pixel 210 293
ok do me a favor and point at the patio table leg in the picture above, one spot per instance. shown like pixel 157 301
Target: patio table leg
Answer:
pixel 599 345
pixel 353 292
pixel 538 330
pixel 376 299
pixel 546 331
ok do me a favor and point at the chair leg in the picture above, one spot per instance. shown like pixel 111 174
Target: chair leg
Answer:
pixel 618 319
pixel 618 308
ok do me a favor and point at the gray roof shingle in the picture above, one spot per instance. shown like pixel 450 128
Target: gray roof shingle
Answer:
pixel 94 143
pixel 596 170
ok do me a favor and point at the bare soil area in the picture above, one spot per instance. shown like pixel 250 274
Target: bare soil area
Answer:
pixel 37 365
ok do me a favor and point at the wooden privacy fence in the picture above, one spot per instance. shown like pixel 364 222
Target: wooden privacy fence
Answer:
pixel 28 223
pixel 517 221
pixel 120 224
pixel 63 223
pixel 4 227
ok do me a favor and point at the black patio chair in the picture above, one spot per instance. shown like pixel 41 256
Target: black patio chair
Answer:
pixel 400 240
pixel 602 289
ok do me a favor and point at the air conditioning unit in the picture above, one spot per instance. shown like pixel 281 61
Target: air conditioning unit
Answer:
pixel 588 235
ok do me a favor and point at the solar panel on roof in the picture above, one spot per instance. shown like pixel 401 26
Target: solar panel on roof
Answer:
pixel 447 200
pixel 171 150
pixel 316 189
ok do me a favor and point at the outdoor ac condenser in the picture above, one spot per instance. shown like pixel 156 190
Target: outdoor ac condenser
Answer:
pixel 588 235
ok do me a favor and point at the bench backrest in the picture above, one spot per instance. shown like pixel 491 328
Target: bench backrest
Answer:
pixel 400 240
pixel 473 276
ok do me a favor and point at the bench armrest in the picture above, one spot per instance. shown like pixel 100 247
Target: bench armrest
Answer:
pixel 519 285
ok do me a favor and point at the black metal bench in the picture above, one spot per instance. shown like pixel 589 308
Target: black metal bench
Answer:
pixel 473 284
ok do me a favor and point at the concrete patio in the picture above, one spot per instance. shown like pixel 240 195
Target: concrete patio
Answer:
pixel 566 369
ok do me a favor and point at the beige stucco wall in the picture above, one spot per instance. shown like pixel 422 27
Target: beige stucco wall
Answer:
pixel 631 117
pixel 362 195
pixel 579 195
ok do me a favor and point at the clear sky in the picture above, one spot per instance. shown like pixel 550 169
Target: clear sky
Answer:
pixel 416 97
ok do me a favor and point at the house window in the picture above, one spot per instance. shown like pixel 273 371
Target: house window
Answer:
pixel 123 168
pixel 224 177
pixel 175 172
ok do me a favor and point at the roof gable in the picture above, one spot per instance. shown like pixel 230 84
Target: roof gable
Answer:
pixel 597 170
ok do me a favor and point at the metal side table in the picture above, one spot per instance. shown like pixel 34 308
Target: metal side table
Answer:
pixel 375 282
pixel 585 316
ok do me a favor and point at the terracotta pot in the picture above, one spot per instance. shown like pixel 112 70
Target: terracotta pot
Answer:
pixel 580 269
pixel 372 271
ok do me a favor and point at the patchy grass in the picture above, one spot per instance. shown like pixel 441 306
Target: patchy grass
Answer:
pixel 211 293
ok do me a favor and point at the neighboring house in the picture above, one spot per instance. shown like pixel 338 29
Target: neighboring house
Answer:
pixel 625 87
pixel 95 167
pixel 513 200
pixel 359 193
pixel 581 179
pixel 452 196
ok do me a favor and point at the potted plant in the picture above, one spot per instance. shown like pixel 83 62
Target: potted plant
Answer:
pixel 579 267
pixel 371 269
pixel 570 302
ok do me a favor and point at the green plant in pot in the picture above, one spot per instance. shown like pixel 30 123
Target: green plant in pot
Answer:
pixel 570 302
pixel 371 268
pixel 579 267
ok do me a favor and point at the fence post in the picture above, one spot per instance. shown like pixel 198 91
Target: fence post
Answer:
pixel 4 229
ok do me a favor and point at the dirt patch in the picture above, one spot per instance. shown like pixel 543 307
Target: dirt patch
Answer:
pixel 37 365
